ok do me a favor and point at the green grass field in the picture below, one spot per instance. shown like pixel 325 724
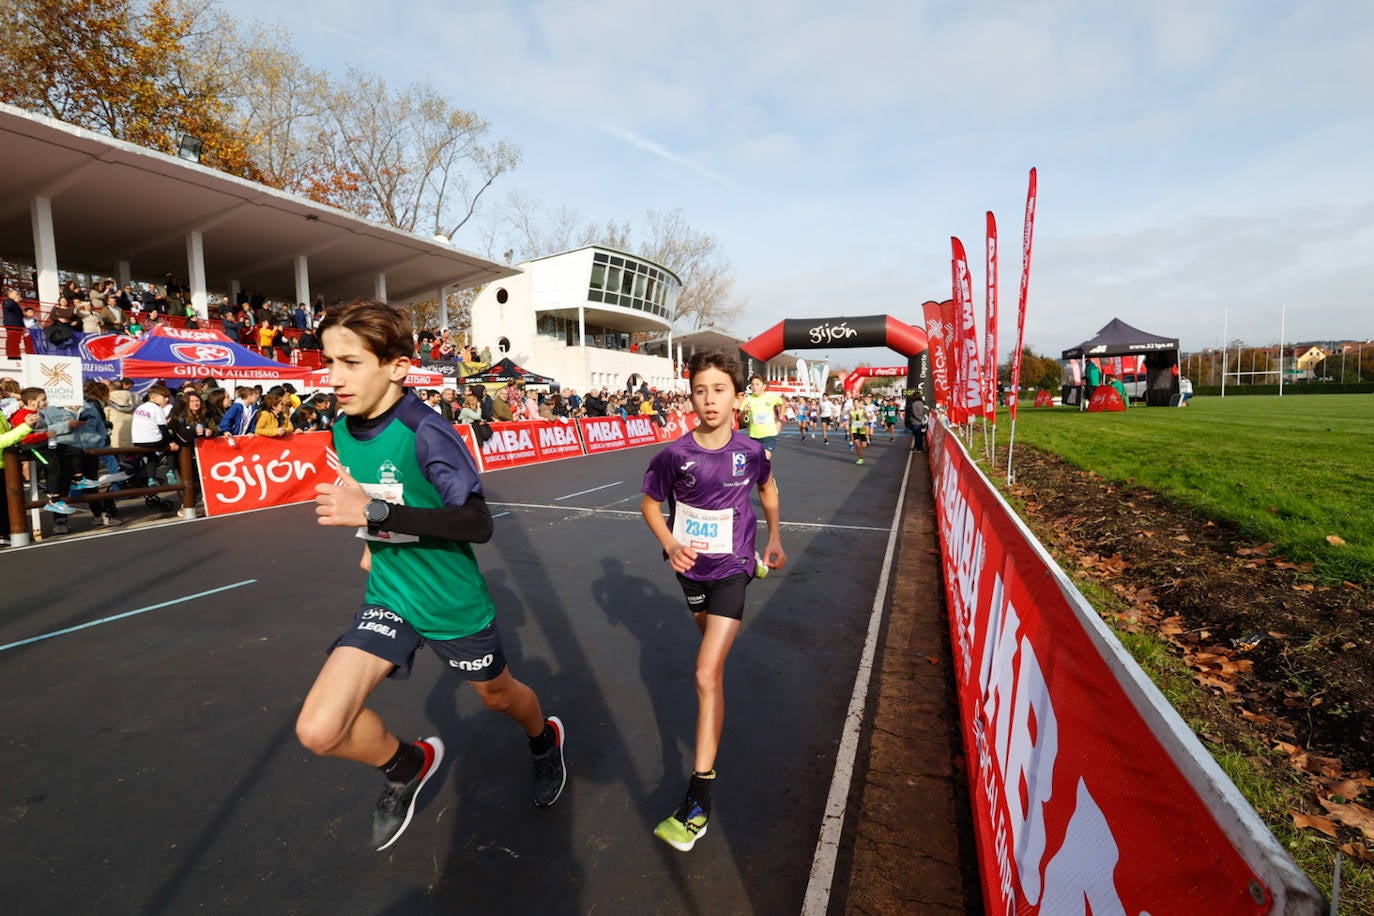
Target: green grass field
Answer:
pixel 1292 470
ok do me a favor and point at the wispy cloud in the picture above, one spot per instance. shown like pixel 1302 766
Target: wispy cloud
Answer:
pixel 655 148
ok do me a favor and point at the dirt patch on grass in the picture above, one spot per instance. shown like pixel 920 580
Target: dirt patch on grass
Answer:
pixel 1295 658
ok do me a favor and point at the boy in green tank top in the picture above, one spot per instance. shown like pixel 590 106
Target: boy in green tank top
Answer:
pixel 409 486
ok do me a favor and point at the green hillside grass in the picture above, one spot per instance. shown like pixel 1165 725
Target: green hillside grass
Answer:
pixel 1291 470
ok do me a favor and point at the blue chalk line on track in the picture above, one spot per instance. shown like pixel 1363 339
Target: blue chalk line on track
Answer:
pixel 142 610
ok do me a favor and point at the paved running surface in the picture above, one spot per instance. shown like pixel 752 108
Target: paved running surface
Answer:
pixel 151 764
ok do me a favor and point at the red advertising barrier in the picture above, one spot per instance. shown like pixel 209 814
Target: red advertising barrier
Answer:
pixel 240 473
pixel 1044 399
pixel 1089 793
pixel 1105 397
pixel 528 442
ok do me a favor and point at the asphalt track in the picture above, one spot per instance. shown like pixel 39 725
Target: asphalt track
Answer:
pixel 152 767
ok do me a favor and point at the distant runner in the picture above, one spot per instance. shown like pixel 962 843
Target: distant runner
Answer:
pixel 761 412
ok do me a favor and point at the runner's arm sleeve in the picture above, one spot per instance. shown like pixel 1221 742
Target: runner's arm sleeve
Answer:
pixel 464 515
pixel 470 522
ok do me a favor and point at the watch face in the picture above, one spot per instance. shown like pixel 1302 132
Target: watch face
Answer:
pixel 377 511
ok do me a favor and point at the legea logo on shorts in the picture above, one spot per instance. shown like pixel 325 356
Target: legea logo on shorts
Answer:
pixel 737 462
pixel 204 353
pixel 476 664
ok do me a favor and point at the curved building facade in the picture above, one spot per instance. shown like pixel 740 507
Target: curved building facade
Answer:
pixel 571 316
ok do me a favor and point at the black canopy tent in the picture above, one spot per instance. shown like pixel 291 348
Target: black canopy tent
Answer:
pixel 1118 338
pixel 505 371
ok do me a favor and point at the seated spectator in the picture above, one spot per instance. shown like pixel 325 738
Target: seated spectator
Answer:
pixel 308 340
pixel 273 419
pixel 31 319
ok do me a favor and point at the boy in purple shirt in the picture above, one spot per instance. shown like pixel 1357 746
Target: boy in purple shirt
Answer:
pixel 708 539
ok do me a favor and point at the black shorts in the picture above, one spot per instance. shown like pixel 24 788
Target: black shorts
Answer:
pixel 385 634
pixel 722 597
pixel 859 435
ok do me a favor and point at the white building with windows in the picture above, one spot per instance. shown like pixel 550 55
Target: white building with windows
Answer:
pixel 570 316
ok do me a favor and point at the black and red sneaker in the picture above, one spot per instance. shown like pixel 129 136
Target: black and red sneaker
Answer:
pixel 397 804
pixel 549 773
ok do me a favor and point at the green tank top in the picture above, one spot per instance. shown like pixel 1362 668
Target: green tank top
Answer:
pixel 433 583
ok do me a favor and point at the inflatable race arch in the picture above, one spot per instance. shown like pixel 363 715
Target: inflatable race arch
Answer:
pixel 843 333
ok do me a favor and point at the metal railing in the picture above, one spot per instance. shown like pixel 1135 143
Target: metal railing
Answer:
pixel 19 501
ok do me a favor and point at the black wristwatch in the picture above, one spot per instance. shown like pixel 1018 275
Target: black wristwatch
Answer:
pixel 377 511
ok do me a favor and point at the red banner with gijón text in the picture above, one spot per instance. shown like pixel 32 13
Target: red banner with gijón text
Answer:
pixel 1090 794
pixel 239 473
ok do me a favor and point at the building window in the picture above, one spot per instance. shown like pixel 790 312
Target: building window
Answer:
pixel 598 276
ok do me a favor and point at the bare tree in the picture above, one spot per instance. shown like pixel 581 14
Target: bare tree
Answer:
pixel 406 157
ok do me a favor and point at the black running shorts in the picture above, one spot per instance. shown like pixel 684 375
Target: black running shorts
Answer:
pixel 385 634
pixel 722 597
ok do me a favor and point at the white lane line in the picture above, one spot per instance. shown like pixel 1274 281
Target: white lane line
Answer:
pixel 500 515
pixel 592 490
pixel 635 514
pixel 142 610
pixel 817 899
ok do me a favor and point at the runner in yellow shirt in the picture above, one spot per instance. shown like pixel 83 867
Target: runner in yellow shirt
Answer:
pixel 761 414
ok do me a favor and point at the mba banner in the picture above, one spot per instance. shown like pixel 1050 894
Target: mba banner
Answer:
pixel 529 442
pixel 1089 793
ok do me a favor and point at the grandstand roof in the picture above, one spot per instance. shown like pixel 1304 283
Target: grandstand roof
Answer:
pixel 113 201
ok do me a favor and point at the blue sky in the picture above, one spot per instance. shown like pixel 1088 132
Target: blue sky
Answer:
pixel 1193 158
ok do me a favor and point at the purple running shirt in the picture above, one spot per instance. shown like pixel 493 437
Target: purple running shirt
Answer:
pixel 708 498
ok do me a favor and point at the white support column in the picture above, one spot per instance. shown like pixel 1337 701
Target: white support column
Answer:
pixel 379 287
pixel 124 274
pixel 303 279
pixel 581 326
pixel 44 250
pixel 442 294
pixel 195 272
pixel 234 289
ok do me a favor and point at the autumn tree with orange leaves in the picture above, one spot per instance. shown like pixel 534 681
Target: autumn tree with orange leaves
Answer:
pixel 116 68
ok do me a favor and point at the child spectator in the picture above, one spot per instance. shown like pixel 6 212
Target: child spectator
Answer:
pixel 241 417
